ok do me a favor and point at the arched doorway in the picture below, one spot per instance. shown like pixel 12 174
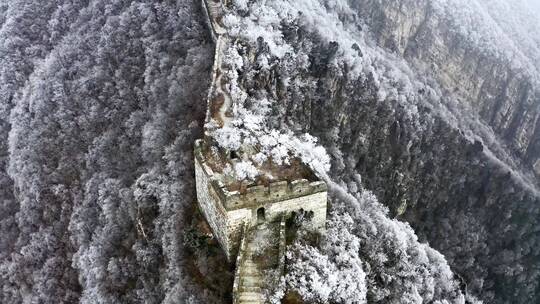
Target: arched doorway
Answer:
pixel 260 215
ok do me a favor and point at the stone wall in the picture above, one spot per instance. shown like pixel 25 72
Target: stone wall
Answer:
pixel 275 192
pixel 316 202
pixel 274 211
pixel 239 259
pixel 226 225
pixel 214 213
pixel 236 220
pixel 226 211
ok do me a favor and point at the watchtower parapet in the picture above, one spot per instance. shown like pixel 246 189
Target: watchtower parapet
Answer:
pixel 262 194
pixel 254 195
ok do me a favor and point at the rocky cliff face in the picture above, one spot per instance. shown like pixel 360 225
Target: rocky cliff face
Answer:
pixel 438 117
pixel 463 202
pixel 499 82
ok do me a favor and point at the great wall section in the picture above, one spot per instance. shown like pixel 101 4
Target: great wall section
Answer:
pixel 261 245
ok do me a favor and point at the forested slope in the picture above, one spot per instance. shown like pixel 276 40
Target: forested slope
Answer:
pixel 434 103
pixel 101 101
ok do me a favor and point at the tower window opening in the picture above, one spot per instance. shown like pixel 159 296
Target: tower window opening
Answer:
pixel 261 217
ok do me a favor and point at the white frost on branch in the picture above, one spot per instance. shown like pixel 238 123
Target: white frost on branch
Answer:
pixel 245 170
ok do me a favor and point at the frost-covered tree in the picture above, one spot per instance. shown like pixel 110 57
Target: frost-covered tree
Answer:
pixel 368 257
pixel 100 102
pixel 332 274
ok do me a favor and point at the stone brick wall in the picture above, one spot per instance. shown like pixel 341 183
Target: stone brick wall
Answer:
pixel 235 223
pixel 316 202
pixel 214 213
pixel 275 192
pixel 279 198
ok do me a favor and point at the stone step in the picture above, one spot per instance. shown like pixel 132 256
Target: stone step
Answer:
pixel 251 296
pixel 250 270
pixel 250 302
pixel 247 264
pixel 250 282
pixel 250 266
pixel 257 278
pixel 251 274
pixel 256 299
pixel 250 289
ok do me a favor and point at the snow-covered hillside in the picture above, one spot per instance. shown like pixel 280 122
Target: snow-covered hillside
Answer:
pixel 434 103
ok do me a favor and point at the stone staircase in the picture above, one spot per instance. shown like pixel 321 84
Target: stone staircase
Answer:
pixel 251 280
pixel 263 238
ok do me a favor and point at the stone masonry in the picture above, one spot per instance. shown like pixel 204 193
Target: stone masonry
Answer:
pixel 226 211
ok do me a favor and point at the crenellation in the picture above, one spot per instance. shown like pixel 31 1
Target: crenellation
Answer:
pixel 217 187
pixel 318 186
pixel 300 186
pixel 233 199
pixel 256 194
pixel 257 190
pixel 230 194
pixel 278 189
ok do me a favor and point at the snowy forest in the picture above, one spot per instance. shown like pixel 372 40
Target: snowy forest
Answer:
pixel 422 116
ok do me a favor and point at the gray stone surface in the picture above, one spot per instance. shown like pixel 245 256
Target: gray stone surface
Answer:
pixel 505 96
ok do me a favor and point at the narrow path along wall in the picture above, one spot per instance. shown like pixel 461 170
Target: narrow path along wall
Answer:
pixel 219 100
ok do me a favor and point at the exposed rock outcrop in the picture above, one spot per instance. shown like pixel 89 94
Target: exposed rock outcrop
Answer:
pixel 500 87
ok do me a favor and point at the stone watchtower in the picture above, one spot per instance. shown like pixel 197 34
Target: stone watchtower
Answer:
pixel 227 205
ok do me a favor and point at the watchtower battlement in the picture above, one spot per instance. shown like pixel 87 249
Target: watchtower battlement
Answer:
pixel 261 194
pixel 253 194
pixel 227 206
